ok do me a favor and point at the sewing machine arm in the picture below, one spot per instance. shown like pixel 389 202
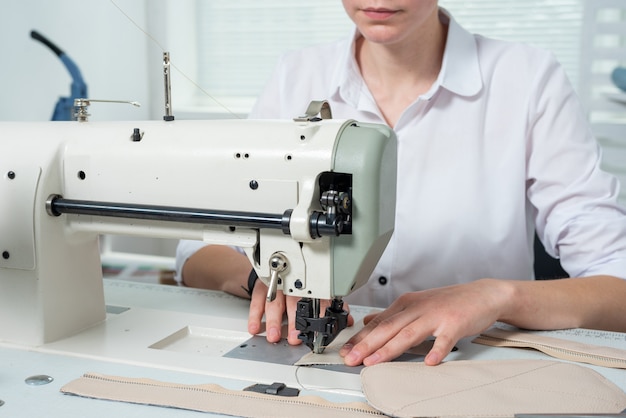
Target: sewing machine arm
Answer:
pixel 311 203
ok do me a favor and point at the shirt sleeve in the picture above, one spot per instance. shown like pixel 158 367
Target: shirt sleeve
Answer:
pixel 184 250
pixel 578 217
pixel 187 248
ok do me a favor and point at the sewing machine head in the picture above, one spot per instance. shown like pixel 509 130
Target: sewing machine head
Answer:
pixel 311 202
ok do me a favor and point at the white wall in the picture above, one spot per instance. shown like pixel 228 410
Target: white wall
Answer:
pixel 109 50
pixel 117 60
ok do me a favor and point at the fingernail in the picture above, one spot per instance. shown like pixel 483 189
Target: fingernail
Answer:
pixel 293 335
pixel 352 358
pixel 432 359
pixel 371 360
pixel 273 334
pixel 253 329
pixel 345 349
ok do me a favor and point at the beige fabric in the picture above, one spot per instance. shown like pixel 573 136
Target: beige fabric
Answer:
pixel 211 398
pixel 331 352
pixel 555 347
pixel 494 388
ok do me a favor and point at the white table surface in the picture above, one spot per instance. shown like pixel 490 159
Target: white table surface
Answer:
pixel 121 346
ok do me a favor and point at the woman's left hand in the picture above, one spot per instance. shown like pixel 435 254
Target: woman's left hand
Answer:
pixel 447 313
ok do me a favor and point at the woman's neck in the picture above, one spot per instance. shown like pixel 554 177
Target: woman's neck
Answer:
pixel 397 74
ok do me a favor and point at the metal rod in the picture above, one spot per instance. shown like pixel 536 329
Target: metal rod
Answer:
pixel 168 87
pixel 56 206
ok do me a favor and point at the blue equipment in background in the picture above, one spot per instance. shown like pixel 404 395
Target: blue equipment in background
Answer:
pixel 64 108
pixel 619 78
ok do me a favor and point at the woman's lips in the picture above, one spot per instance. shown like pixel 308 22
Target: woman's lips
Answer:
pixel 378 14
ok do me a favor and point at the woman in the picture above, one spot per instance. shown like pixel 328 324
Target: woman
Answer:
pixel 493 144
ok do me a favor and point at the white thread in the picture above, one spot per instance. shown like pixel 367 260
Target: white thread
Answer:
pixel 153 39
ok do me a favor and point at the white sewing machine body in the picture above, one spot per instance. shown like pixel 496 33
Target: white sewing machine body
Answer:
pixel 50 272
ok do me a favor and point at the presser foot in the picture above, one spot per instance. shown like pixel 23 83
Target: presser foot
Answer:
pixel 317 332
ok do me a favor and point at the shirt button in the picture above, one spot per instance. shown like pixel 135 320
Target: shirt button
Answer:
pixel 382 280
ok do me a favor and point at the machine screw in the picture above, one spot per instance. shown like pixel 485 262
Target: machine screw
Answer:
pixel 11 175
pixel 6 255
pixel 38 380
pixel 254 184
pixel 137 135
pixel 298 284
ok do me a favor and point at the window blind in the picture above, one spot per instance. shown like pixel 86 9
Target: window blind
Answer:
pixel 240 41
pixel 554 25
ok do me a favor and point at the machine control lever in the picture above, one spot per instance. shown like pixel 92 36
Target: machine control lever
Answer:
pixel 81 105
pixel 278 264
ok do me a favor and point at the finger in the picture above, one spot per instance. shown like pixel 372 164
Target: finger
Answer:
pixel 370 321
pixel 257 308
pixel 292 332
pixel 406 338
pixel 385 339
pixel 359 336
pixel 358 346
pixel 442 346
pixel 274 313
pixel 369 317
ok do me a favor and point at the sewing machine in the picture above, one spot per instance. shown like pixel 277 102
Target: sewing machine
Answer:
pixel 311 202
pixel 276 189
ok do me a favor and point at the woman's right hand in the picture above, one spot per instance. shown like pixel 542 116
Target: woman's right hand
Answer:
pixel 274 312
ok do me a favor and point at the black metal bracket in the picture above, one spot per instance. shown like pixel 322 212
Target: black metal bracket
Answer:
pixel 327 328
pixel 276 388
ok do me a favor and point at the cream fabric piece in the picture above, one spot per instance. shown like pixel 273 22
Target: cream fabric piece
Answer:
pixel 494 388
pixel 555 347
pixel 331 352
pixel 211 398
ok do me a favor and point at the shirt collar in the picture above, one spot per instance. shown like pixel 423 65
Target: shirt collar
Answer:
pixel 348 81
pixel 460 69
